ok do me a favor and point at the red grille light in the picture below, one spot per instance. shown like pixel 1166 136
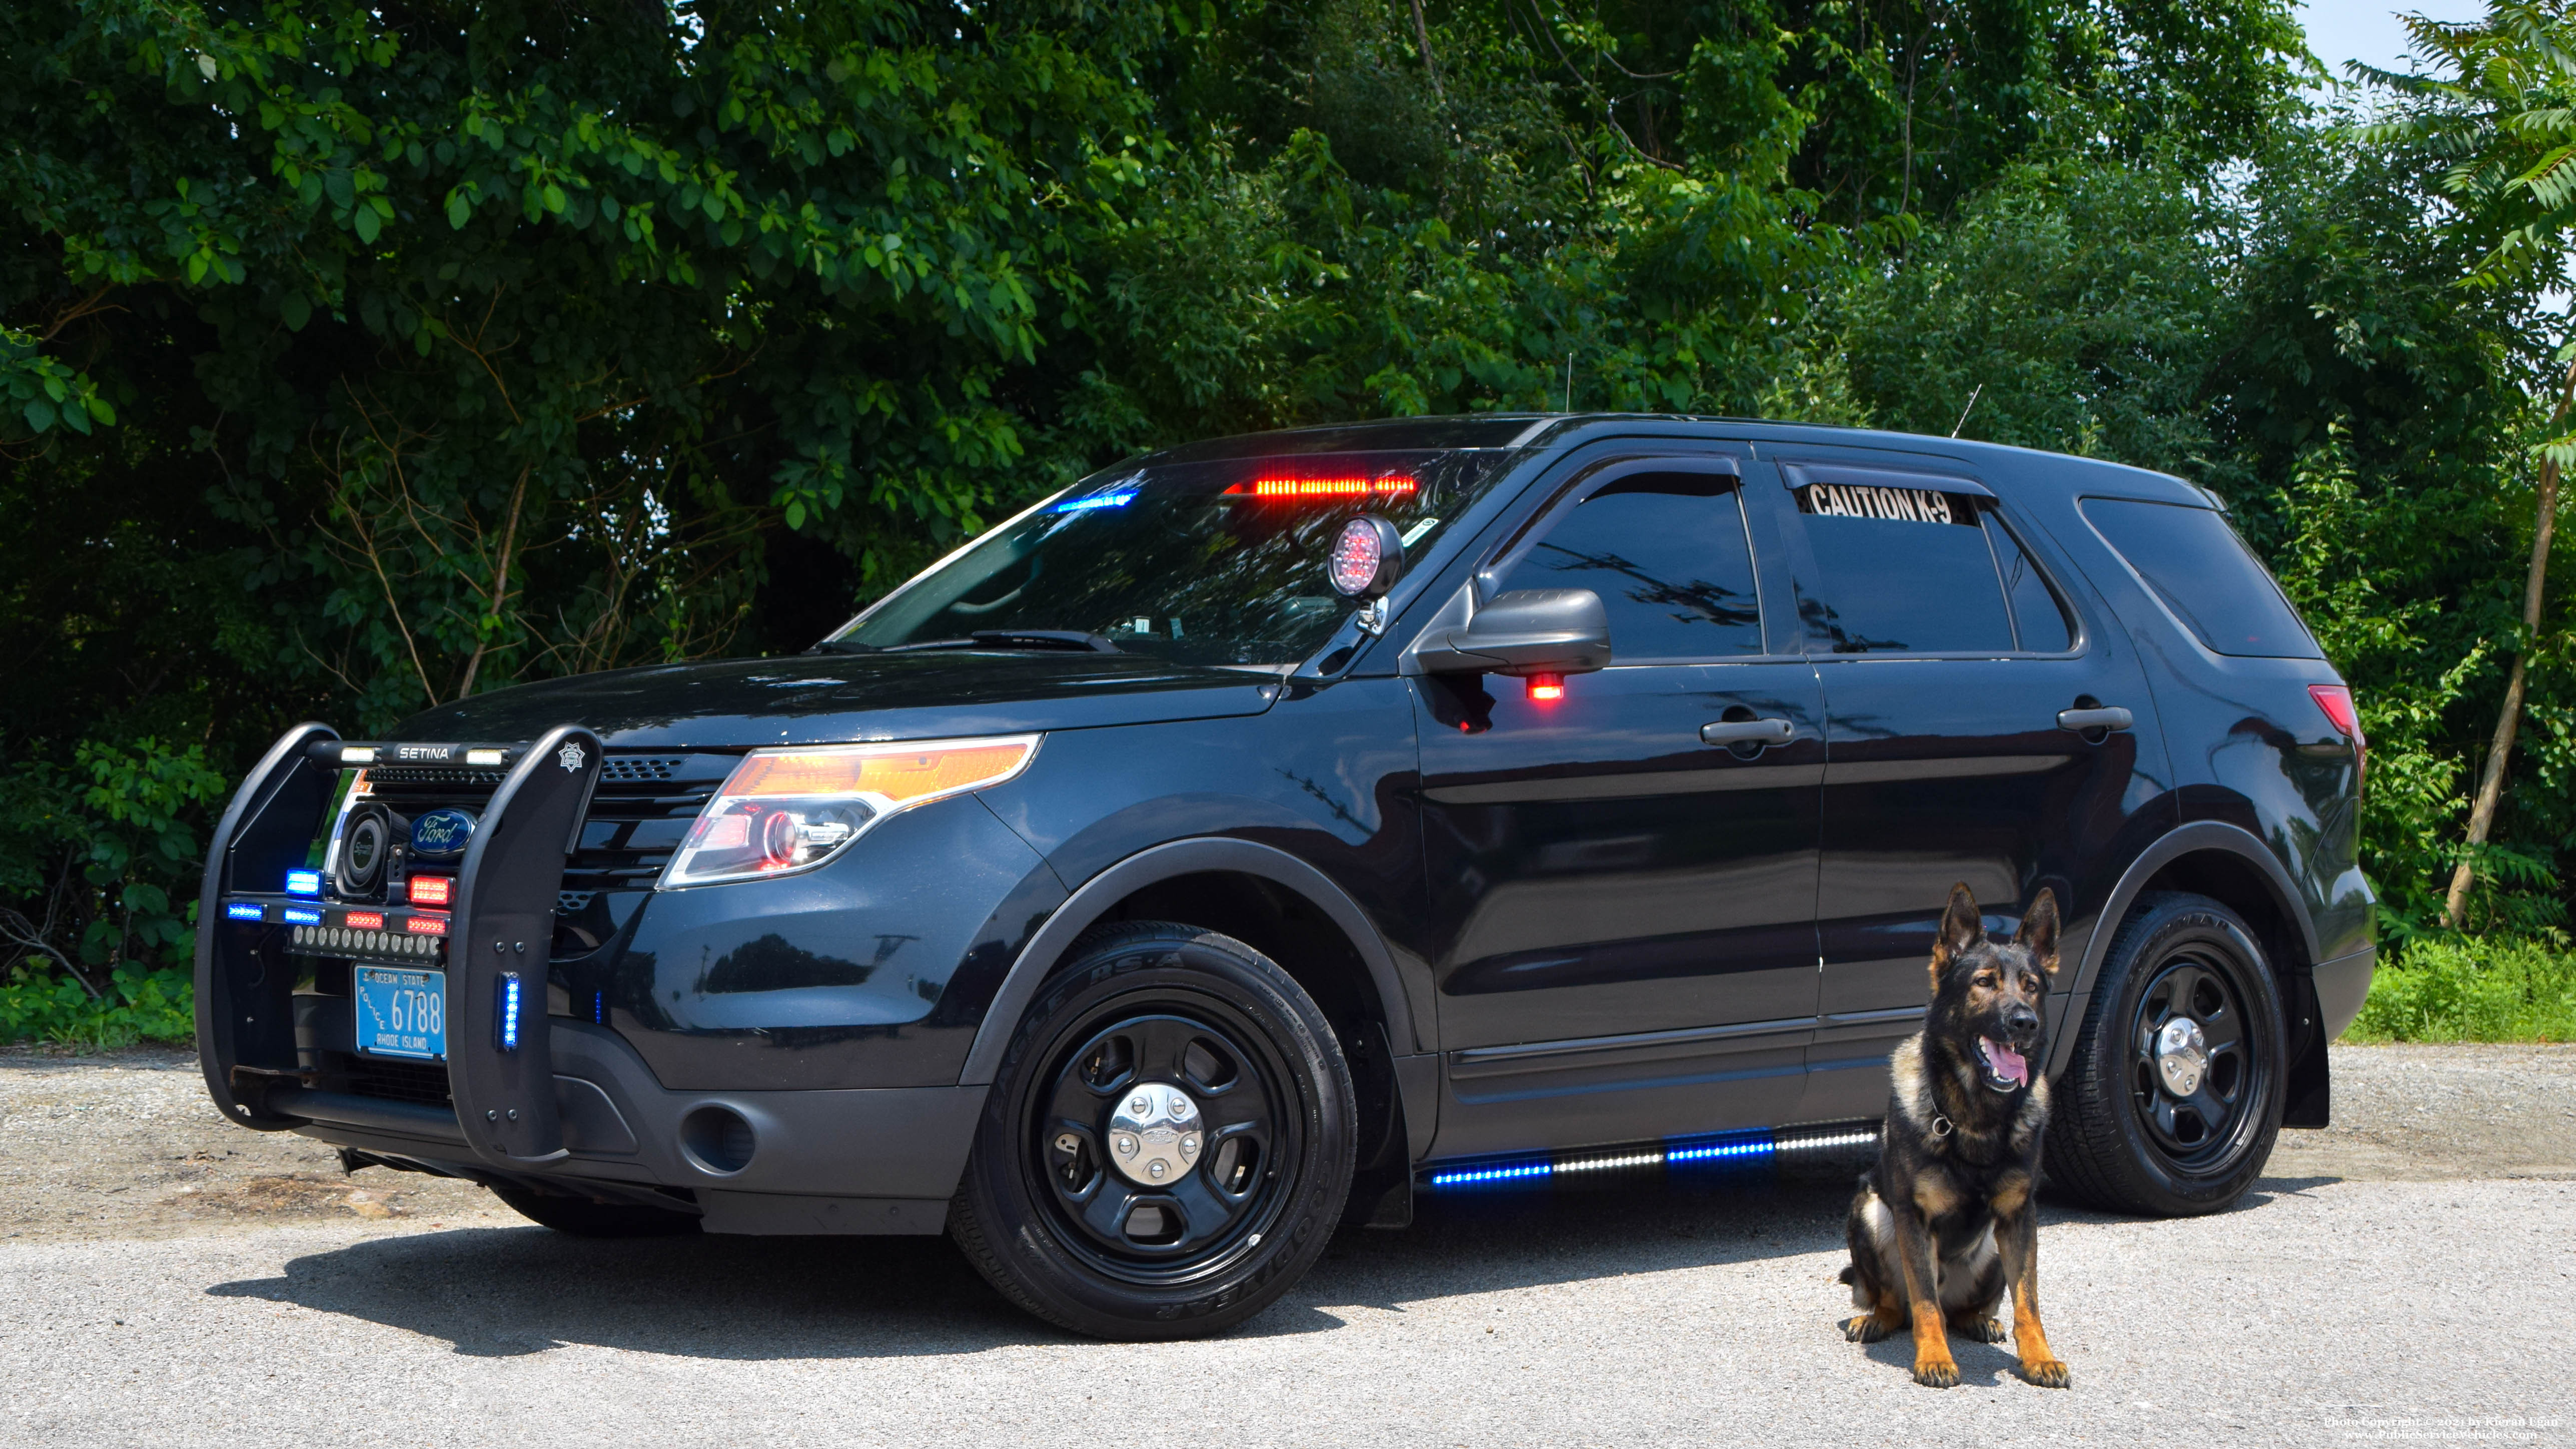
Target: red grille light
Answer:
pixel 431 890
pixel 426 925
pixel 363 920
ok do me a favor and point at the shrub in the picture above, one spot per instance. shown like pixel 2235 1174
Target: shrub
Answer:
pixel 2473 989
pixel 138 1005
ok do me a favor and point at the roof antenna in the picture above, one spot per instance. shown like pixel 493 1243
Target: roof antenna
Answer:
pixel 1971 407
pixel 1569 382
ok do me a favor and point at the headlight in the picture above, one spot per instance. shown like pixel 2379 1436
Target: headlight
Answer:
pixel 793 809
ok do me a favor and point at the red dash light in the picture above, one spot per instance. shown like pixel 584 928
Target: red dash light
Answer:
pixel 431 890
pixel 426 925
pixel 1546 687
pixel 363 920
pixel 1393 484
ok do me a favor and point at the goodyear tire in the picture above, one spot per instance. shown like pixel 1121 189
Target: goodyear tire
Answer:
pixel 1168 1143
pixel 2174 1097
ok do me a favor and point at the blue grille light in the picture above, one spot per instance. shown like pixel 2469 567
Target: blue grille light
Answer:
pixel 246 911
pixel 1097 500
pixel 304 882
pixel 509 986
pixel 303 916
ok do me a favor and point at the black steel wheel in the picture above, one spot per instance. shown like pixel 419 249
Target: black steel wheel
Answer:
pixel 583 1217
pixel 2174 1097
pixel 1169 1141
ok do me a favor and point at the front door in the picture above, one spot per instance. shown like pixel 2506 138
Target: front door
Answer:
pixel 1947 656
pixel 1622 913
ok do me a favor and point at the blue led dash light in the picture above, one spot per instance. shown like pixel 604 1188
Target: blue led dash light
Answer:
pixel 246 911
pixel 303 916
pixel 304 882
pixel 509 989
pixel 1097 500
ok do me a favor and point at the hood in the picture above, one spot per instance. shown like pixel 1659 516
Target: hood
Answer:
pixel 844 698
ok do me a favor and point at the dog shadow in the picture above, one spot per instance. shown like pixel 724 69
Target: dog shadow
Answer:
pixel 512 1291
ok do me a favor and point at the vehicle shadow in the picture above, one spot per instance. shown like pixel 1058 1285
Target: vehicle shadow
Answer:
pixel 503 1292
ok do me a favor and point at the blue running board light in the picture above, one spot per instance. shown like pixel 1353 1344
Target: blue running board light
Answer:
pixel 1706 1149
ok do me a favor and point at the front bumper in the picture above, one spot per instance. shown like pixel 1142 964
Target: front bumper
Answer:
pixel 520 1097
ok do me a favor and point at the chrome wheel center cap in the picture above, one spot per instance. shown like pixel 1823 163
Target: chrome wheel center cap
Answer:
pixel 1155 1135
pixel 2182 1055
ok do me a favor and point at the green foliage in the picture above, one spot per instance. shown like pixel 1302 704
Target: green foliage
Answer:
pixel 103 858
pixel 137 1005
pixel 2462 988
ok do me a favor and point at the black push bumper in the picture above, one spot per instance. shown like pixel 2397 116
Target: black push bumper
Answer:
pixel 522 1098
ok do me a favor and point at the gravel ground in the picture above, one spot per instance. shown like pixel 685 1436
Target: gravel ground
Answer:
pixel 2402 1277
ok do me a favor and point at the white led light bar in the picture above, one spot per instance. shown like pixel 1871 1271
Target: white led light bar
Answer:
pixel 1672 1152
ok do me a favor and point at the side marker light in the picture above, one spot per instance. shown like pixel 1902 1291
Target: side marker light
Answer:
pixel 1546 688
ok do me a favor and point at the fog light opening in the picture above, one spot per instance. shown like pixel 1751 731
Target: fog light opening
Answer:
pixel 718 1140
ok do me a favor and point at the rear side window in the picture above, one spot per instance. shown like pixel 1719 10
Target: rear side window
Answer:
pixel 1667 554
pixel 2205 575
pixel 1901 565
pixel 2039 620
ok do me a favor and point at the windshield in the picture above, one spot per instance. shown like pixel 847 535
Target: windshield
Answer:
pixel 1201 563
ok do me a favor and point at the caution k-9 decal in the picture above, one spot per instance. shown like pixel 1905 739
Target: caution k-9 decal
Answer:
pixel 1899 505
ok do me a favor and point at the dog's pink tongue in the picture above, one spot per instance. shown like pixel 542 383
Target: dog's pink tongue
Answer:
pixel 2008 1063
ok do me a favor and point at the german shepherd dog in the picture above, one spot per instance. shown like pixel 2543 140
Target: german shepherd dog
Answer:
pixel 1944 1222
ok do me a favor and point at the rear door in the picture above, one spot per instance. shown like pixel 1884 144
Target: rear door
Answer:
pixel 1947 651
pixel 1621 914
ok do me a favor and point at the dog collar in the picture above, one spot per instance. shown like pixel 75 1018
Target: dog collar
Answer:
pixel 1941 1126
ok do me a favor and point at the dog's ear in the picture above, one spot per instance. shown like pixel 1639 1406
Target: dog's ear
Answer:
pixel 1962 930
pixel 2038 931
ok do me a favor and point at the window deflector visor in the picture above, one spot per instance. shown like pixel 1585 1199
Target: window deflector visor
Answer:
pixel 793 808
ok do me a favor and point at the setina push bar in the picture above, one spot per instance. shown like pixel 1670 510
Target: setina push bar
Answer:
pixel 261 902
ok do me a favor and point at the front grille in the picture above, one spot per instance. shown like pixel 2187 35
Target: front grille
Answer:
pixel 638 815
pixel 399 1081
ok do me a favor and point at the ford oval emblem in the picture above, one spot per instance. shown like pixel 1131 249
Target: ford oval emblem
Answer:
pixel 441 834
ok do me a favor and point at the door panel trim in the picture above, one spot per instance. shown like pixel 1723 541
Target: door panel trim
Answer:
pixel 1641 1046
pixel 1629 784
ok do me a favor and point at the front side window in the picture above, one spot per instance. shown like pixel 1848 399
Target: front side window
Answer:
pixel 1217 563
pixel 1668 555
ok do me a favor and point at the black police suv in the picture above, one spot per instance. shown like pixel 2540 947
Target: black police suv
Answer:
pixel 1263 832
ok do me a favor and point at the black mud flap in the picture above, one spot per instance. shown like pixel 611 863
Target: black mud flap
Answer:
pixel 245 986
pixel 500 1066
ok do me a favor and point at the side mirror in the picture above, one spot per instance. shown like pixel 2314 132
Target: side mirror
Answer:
pixel 1524 632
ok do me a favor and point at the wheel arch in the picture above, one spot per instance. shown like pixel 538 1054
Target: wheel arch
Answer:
pixel 2232 866
pixel 1257 893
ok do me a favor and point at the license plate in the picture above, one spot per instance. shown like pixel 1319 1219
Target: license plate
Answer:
pixel 402 1013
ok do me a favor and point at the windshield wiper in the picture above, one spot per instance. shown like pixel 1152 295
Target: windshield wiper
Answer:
pixel 843 646
pixel 1038 641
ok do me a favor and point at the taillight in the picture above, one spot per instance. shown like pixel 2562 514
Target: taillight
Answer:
pixel 2334 701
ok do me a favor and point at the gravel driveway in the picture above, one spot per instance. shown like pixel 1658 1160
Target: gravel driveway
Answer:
pixel 2402 1277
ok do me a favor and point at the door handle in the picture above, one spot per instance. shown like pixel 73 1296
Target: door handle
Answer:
pixel 1747 732
pixel 2109 717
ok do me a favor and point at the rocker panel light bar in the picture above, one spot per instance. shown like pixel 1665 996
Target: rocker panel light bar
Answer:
pixel 1672 1152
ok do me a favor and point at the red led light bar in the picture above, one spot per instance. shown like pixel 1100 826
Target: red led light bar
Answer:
pixel 363 920
pixel 426 925
pixel 431 890
pixel 1393 484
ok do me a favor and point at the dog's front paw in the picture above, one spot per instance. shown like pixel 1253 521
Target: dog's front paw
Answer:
pixel 2047 1373
pixel 1866 1329
pixel 1936 1373
pixel 1983 1330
